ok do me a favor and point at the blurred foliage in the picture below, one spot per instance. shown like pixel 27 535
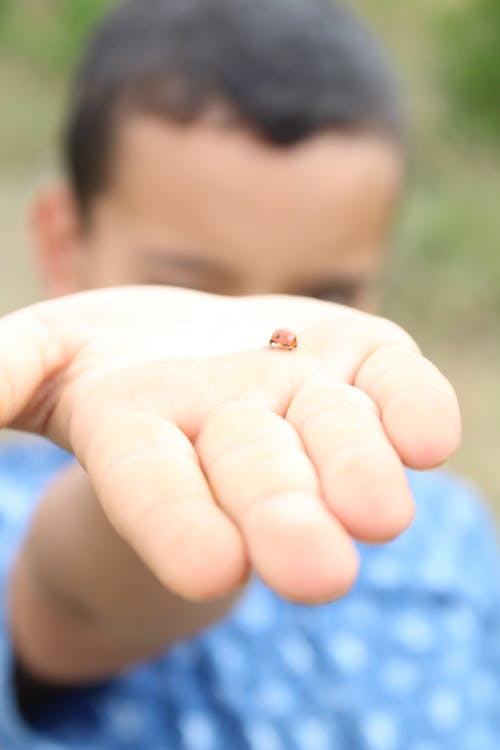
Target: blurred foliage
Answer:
pixel 40 43
pixel 48 33
pixel 469 33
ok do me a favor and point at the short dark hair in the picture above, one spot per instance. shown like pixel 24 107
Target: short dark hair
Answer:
pixel 287 69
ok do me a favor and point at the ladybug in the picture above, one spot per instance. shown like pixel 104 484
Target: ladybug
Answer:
pixel 283 338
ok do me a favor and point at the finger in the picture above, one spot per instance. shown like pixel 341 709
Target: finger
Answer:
pixel 419 407
pixel 262 478
pixel 361 474
pixel 148 478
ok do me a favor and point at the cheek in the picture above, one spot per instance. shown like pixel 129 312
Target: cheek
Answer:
pixel 105 255
pixel 368 300
pixel 104 263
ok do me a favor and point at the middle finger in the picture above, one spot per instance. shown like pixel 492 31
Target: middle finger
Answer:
pixel 262 477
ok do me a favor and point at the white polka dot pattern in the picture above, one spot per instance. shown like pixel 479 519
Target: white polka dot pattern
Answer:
pixel 444 708
pixel 414 630
pixel 312 733
pixel 409 660
pixel 198 732
pixel 297 653
pixel 348 651
pixel 380 730
pixel 263 736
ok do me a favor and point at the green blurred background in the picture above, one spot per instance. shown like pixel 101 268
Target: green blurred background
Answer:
pixel 444 280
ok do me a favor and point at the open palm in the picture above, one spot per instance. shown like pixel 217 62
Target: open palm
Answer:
pixel 211 453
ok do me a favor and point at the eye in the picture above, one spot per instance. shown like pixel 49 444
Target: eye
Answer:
pixel 184 284
pixel 341 294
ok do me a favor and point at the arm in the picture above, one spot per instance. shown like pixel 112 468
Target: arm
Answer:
pixel 82 603
pixel 205 463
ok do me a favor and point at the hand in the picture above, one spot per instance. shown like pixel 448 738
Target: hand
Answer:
pixel 213 454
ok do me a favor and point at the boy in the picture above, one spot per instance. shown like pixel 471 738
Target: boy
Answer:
pixel 238 149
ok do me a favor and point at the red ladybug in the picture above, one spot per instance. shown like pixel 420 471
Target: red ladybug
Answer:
pixel 283 338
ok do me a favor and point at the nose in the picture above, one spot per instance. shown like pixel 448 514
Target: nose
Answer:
pixel 263 286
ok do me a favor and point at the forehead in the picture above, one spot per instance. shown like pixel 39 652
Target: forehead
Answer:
pixel 228 191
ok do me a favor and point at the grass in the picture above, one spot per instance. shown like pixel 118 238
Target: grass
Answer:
pixel 443 282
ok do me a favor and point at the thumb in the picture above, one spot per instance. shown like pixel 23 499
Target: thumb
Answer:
pixel 32 355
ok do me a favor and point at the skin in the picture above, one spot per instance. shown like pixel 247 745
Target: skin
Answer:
pixel 168 395
pixel 220 211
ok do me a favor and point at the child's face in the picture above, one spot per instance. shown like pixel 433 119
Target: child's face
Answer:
pixel 199 207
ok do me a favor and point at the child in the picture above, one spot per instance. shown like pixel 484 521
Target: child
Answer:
pixel 235 148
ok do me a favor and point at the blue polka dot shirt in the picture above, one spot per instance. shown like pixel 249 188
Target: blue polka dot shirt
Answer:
pixel 409 660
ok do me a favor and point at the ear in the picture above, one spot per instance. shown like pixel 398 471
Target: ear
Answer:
pixel 57 240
